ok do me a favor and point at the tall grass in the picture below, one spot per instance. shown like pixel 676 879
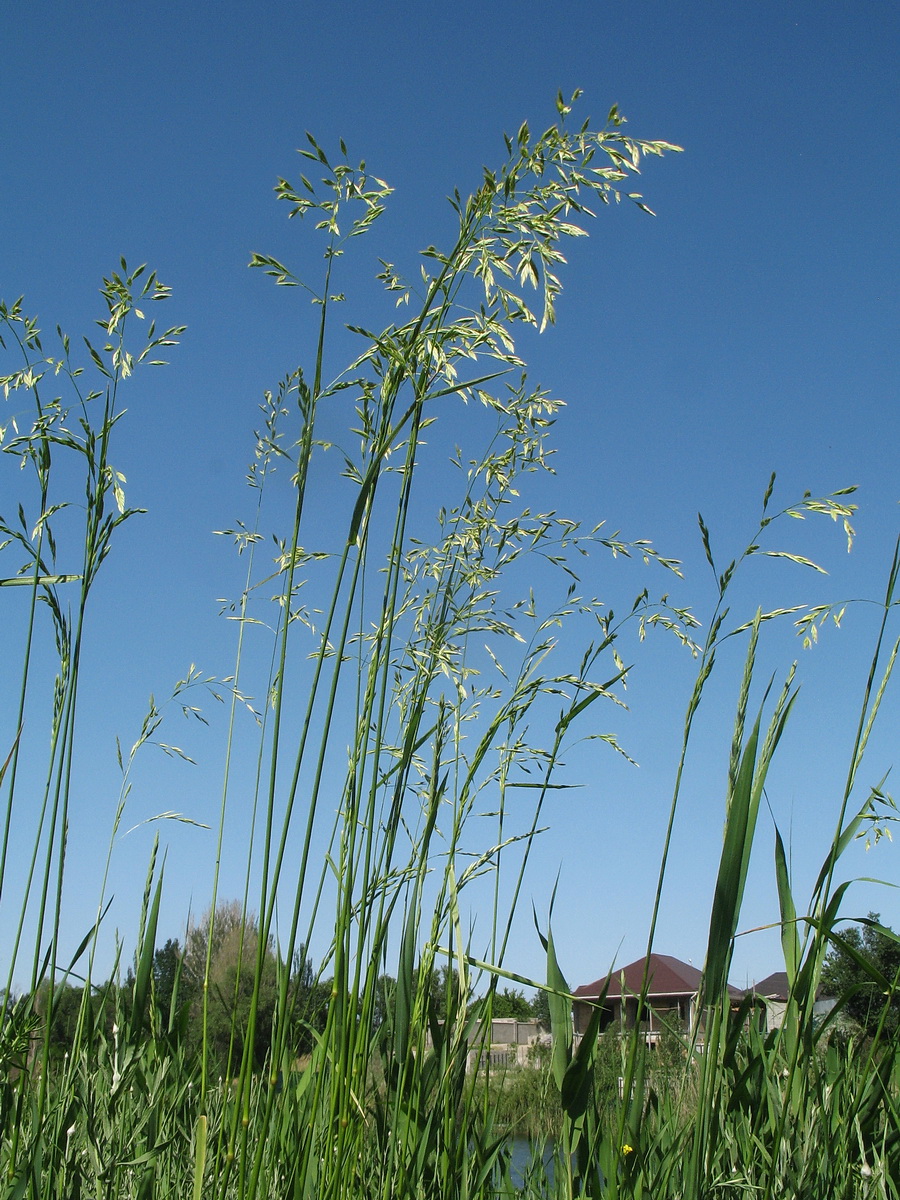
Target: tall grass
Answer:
pixel 413 689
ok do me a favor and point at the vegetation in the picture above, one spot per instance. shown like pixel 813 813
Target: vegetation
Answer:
pixel 512 1002
pixel 415 685
pixel 863 967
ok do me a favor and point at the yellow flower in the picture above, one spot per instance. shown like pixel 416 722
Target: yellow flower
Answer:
pixel 626 1149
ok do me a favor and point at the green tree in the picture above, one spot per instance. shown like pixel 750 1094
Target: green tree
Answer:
pixel 443 979
pixel 230 940
pixel 511 1002
pixel 310 997
pixel 540 1007
pixel 385 999
pixel 166 962
pixel 68 1002
pixel 849 971
pixel 66 1007
pixel 173 993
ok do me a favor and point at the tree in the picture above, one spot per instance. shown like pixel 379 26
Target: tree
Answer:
pixel 168 974
pixel 847 974
pixel 442 987
pixel 70 1007
pixel 165 972
pixel 309 1000
pixel 234 940
pixel 224 928
pixel 232 974
pixel 540 1008
pixel 67 1003
pixel 385 999
pixel 511 1002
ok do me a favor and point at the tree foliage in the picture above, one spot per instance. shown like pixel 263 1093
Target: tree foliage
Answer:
pixel 512 1002
pixel 230 941
pixel 540 1007
pixel 856 970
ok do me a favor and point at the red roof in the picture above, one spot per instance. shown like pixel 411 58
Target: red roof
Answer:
pixel 776 987
pixel 668 976
pixel 773 987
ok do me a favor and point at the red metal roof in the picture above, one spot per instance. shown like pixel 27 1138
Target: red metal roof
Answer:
pixel 668 976
pixel 773 987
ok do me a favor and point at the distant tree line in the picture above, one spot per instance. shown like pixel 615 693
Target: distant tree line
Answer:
pixel 512 1002
pixel 231 944
pixel 176 1000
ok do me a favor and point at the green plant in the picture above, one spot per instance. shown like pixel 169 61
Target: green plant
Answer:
pixel 413 693
pixel 394 649
pixel 860 973
pixel 394 672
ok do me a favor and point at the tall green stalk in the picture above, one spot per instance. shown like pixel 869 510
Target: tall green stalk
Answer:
pixel 66 424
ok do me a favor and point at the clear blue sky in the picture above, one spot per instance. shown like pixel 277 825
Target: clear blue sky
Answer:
pixel 750 327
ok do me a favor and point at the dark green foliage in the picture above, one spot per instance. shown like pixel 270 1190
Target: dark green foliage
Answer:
pixel 310 998
pixel 166 972
pixel 511 1002
pixel 69 1001
pixel 443 983
pixel 232 980
pixel 66 1007
pixel 384 999
pixel 851 970
pixel 540 1008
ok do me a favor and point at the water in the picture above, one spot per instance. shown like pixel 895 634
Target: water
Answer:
pixel 523 1151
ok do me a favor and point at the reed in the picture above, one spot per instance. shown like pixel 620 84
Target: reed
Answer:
pixel 413 688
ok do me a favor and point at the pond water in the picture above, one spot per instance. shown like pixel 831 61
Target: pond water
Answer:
pixel 522 1162
pixel 523 1153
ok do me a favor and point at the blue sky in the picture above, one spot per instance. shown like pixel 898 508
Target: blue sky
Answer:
pixel 750 327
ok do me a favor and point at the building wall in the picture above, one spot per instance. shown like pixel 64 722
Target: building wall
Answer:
pixel 661 1013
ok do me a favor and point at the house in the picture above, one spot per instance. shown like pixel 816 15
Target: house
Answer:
pixel 774 990
pixel 670 1001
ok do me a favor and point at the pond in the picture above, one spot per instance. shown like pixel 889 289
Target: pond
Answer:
pixel 524 1151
